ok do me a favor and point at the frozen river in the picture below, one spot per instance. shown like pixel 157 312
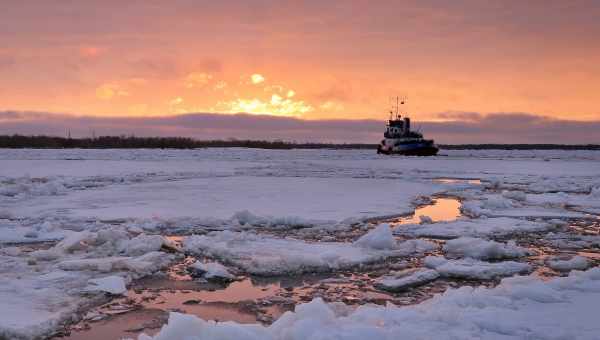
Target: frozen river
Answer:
pixel 82 228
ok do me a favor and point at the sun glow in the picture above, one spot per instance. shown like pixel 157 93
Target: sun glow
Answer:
pixel 257 78
pixel 277 106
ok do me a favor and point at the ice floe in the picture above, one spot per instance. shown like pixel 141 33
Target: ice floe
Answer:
pixel 469 268
pixel 403 280
pixel 109 284
pixel 480 227
pixel 265 255
pixel 211 271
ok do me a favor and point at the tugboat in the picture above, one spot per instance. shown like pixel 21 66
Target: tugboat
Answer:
pixel 400 140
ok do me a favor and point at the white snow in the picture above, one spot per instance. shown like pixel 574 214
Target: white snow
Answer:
pixel 469 268
pixel 109 284
pixel 518 308
pixel 403 280
pixel 483 249
pixel 265 255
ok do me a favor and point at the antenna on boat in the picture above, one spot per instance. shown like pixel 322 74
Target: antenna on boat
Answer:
pixel 395 112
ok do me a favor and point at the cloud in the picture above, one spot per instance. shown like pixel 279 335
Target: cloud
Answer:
pixel 459 115
pixel 197 79
pixel 90 52
pixel 176 101
pixel 110 90
pixel 155 67
pixel 257 78
pixel 7 61
pixel 211 65
pixel 488 128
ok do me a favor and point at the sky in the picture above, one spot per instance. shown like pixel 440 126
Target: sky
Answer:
pixel 311 62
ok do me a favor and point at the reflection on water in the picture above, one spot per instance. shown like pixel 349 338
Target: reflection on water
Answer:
pixel 234 292
pixel 590 254
pixel 127 325
pixel 146 305
pixel 443 209
pixel 457 180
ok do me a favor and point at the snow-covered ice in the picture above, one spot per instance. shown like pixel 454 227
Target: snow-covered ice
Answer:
pixel 324 199
pixel 406 279
pixel 264 255
pixel 479 227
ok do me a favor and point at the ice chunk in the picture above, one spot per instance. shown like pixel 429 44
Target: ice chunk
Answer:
pixel 482 249
pixel 110 284
pixel 514 195
pixel 574 263
pixel 416 246
pixel 142 244
pixel 380 237
pixel 473 269
pixel 76 241
pixel 212 271
pixel 144 264
pixel 407 279
pixel 105 264
pixel 46 254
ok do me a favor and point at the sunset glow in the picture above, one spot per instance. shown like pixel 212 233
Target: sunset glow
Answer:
pixel 311 60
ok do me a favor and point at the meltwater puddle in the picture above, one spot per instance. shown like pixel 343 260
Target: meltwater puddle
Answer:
pixel 147 303
pixel 442 209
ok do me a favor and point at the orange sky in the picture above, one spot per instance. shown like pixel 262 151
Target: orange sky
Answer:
pixel 305 59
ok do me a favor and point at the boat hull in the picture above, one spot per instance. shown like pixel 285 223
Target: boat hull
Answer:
pixel 410 151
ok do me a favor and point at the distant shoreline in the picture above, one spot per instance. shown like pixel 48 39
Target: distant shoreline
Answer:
pixel 131 142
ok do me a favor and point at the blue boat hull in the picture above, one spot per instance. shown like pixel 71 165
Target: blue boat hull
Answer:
pixel 417 149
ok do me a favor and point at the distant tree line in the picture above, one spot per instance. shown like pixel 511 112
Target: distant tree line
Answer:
pixel 520 146
pixel 132 142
